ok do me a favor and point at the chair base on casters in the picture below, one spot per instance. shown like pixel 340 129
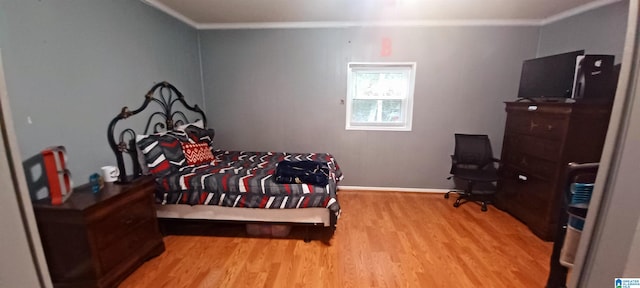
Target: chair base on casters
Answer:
pixel 483 198
pixel 446 195
pixel 468 198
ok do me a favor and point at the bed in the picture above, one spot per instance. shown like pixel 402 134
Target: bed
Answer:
pixel 237 186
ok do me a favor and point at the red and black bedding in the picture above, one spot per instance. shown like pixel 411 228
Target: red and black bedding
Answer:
pixel 194 181
pixel 189 171
pixel 246 179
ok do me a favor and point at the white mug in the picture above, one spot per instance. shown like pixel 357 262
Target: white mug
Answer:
pixel 110 173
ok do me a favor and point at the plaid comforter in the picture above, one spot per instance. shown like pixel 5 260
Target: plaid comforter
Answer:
pixel 245 179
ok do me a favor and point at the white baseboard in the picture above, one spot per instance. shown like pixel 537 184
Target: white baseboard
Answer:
pixel 395 189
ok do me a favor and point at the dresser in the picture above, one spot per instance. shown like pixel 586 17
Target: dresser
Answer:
pixel 539 140
pixel 98 239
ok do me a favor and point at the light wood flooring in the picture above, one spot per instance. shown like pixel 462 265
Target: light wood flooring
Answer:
pixel 383 239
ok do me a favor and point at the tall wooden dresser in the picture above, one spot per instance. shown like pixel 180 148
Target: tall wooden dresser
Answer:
pixel 98 239
pixel 540 139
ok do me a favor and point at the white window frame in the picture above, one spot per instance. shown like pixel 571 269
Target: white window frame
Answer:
pixel 407 103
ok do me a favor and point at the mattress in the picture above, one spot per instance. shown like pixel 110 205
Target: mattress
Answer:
pixel 245 179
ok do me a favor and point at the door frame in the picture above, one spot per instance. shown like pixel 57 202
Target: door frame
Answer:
pixel 23 224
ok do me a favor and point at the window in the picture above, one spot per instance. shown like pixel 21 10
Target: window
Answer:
pixel 380 96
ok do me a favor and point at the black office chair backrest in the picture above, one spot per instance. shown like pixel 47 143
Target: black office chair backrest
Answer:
pixel 473 149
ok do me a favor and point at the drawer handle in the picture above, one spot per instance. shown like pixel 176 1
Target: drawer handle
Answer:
pixel 532 108
pixel 522 177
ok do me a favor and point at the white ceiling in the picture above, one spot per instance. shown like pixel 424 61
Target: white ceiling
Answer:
pixel 225 14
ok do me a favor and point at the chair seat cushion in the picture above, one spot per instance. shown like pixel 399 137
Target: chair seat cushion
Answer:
pixel 483 191
pixel 476 175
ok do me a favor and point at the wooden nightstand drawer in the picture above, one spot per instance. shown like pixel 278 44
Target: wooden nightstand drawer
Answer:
pixel 123 247
pixel 123 218
pixel 97 239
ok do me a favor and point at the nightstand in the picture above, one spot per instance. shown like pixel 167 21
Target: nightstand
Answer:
pixel 98 239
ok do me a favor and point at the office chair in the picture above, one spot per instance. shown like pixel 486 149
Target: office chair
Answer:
pixel 472 163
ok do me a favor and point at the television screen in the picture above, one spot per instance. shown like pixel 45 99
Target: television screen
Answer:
pixel 549 77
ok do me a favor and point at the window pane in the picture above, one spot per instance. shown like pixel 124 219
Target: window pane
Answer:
pixel 380 96
pixel 364 110
pixel 370 84
pixel 392 111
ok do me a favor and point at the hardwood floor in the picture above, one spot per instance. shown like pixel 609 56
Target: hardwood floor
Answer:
pixel 383 239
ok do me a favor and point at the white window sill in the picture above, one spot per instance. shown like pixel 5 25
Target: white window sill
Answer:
pixel 379 128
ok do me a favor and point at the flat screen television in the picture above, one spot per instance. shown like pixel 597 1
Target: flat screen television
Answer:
pixel 550 77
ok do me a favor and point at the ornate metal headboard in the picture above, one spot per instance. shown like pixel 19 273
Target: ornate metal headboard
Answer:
pixel 165 95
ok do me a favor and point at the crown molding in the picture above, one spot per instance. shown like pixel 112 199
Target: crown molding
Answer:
pixel 578 10
pixel 347 24
pixel 171 12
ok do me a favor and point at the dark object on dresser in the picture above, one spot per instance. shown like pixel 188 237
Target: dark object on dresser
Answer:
pixel 97 240
pixel 473 163
pixel 539 140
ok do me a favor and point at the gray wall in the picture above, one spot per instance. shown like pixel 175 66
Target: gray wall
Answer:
pixel 72 65
pixel 20 270
pixel 599 31
pixel 280 90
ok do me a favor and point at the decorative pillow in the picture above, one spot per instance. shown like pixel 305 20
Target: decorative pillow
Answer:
pixel 163 152
pixel 200 135
pixel 197 153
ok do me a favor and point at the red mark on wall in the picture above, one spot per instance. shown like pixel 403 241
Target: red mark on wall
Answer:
pixel 385 50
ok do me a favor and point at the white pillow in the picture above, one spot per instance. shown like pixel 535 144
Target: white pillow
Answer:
pixel 141 160
pixel 197 123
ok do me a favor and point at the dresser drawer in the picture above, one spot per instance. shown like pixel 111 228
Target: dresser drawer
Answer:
pixel 537 124
pixel 124 218
pixel 540 138
pixel 526 188
pixel 530 164
pixel 542 148
pixel 128 246
pixel 511 190
pixel 530 201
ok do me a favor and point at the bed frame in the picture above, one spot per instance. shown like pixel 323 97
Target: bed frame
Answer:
pixel 166 96
pixel 167 115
